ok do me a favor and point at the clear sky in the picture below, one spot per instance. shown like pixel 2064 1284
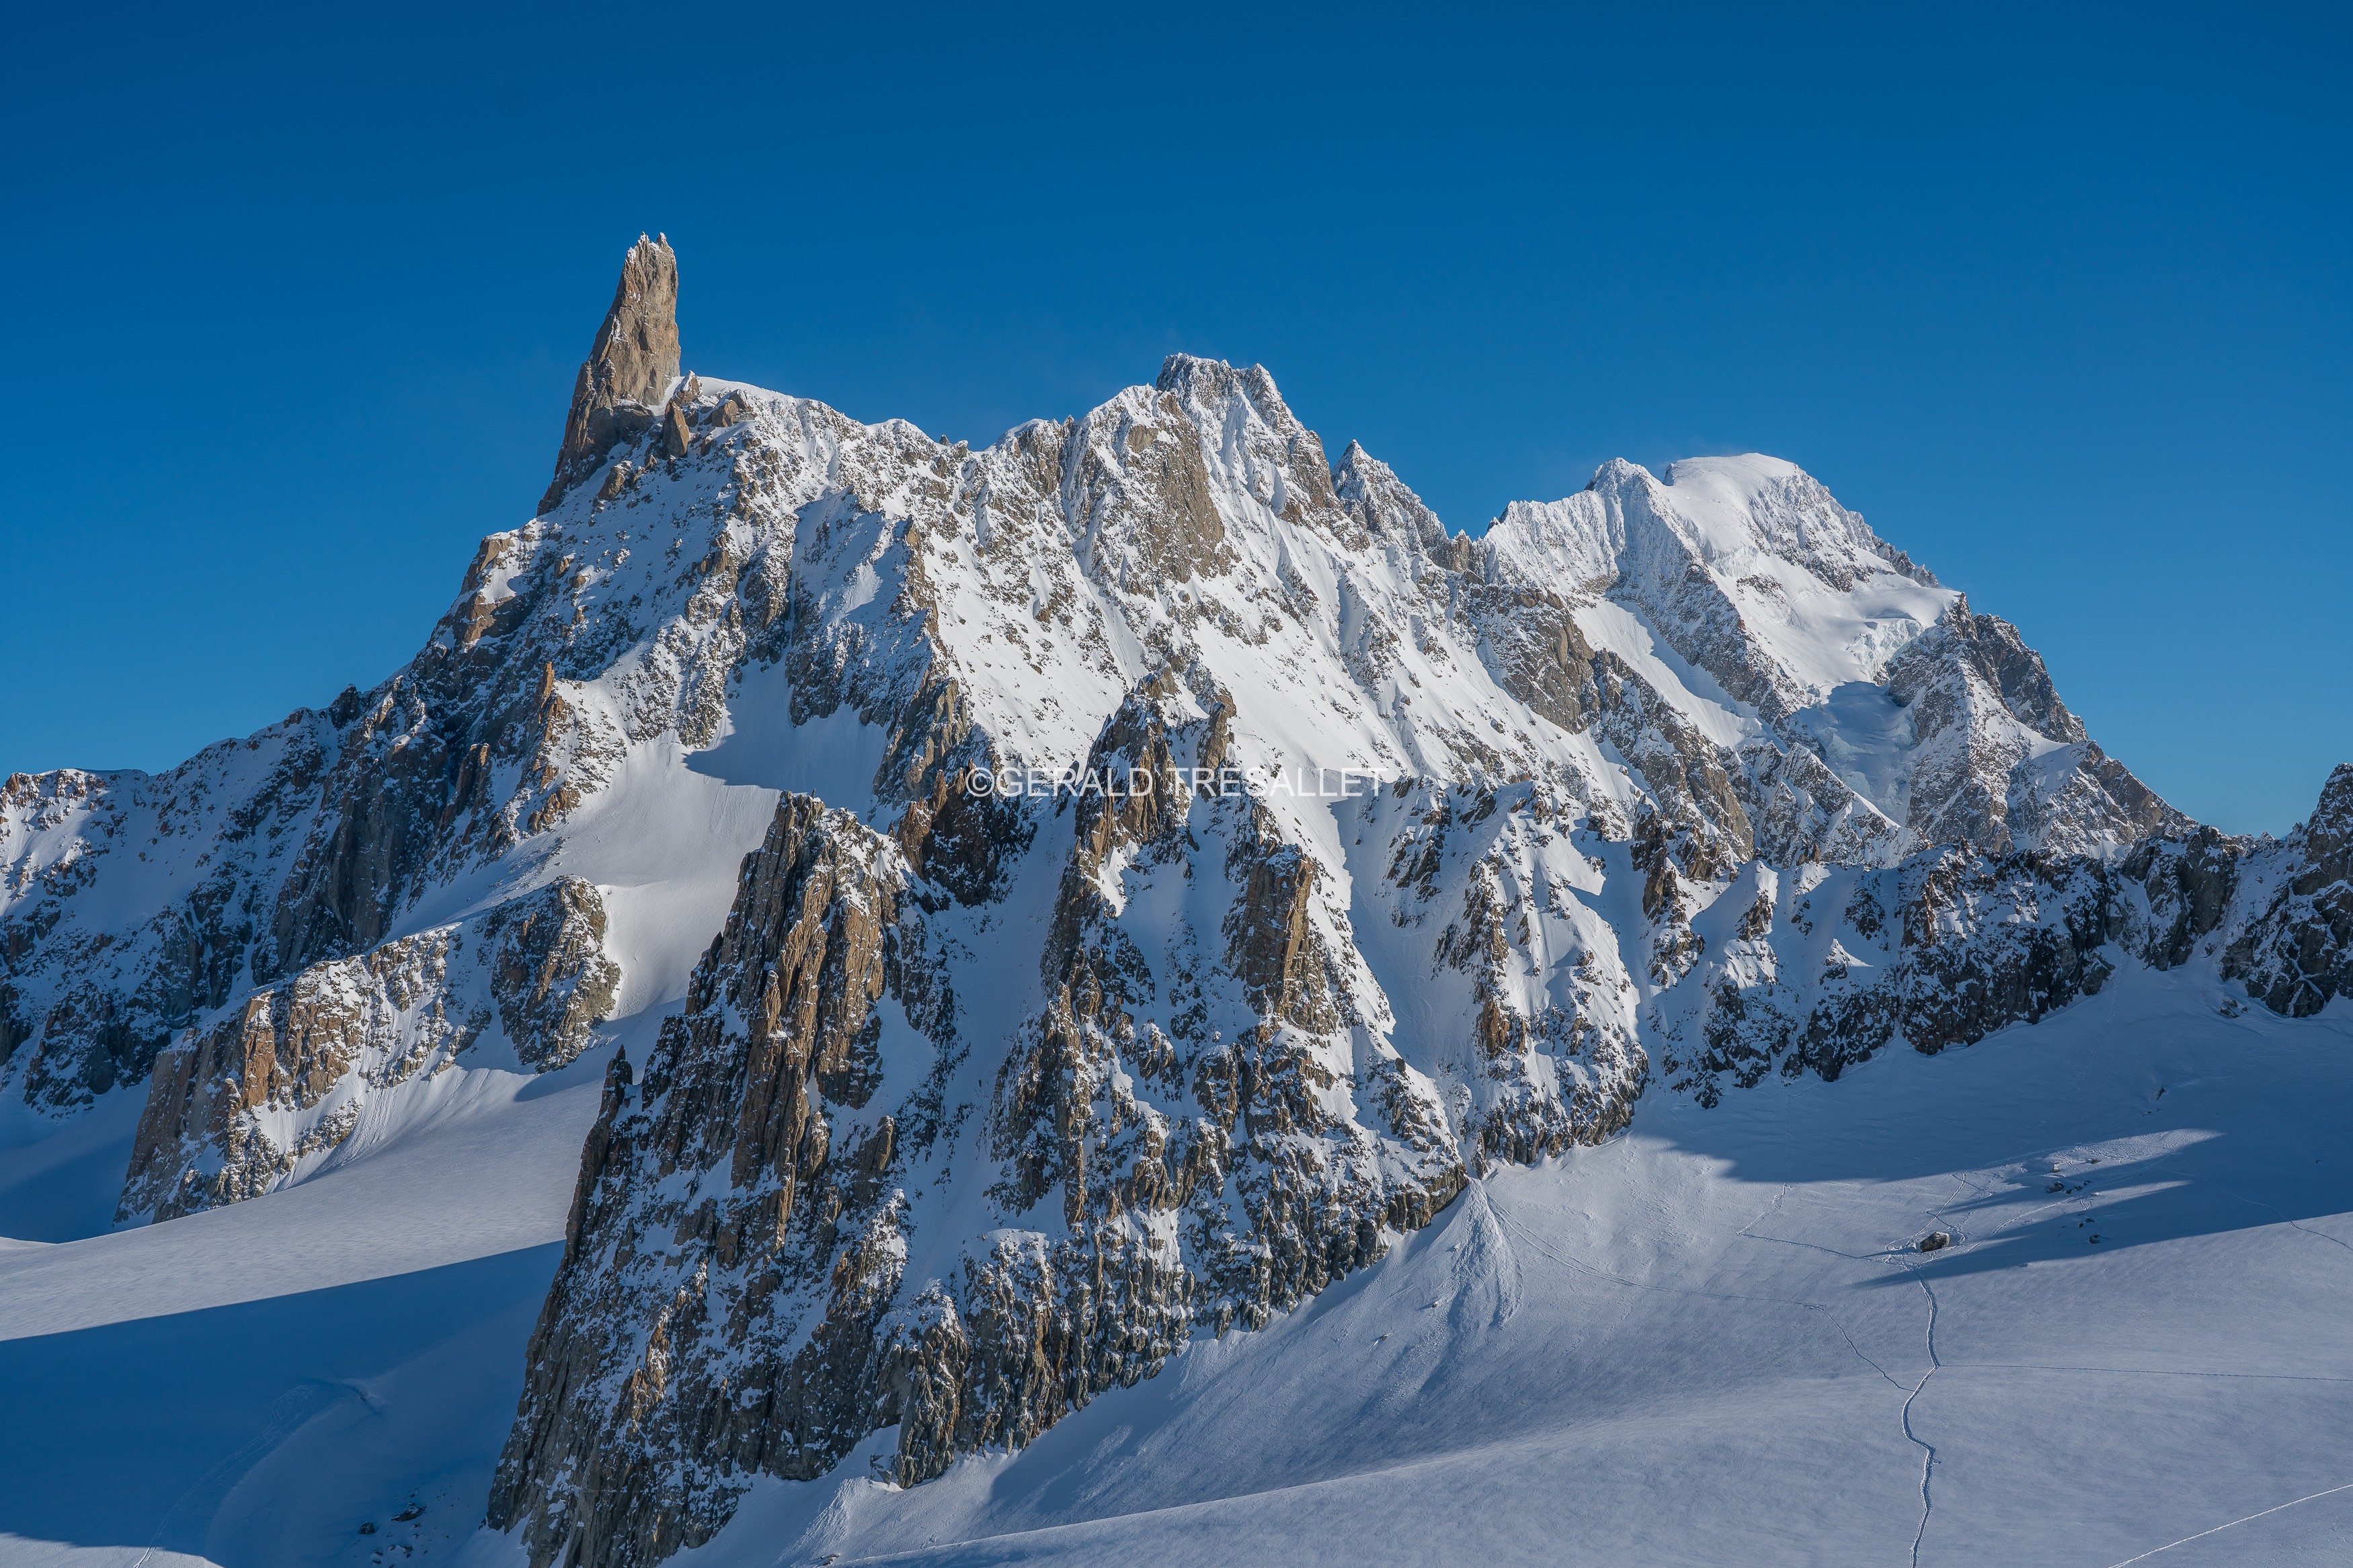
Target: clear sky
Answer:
pixel 2057 297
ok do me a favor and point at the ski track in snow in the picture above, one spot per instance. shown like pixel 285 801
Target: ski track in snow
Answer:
pixel 1927 1449
pixel 1912 1394
pixel 2286 1219
pixel 2218 1529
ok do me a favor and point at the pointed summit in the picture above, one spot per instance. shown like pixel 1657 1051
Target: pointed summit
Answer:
pixel 629 368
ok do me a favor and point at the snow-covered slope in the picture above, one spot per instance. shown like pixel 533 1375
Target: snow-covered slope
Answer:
pixel 249 1385
pixel 1040 910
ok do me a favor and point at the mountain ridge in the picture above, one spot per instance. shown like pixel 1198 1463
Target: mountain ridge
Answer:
pixel 980 1103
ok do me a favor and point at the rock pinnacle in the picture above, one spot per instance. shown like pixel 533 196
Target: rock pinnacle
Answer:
pixel 622 383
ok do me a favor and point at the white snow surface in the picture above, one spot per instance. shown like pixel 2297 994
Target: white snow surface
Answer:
pixel 249 1385
pixel 1707 1341
pixel 1807 575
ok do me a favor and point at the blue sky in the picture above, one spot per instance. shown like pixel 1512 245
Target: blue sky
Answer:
pixel 2056 297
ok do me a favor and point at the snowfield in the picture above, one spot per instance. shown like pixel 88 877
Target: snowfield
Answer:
pixel 1707 1341
pixel 252 1384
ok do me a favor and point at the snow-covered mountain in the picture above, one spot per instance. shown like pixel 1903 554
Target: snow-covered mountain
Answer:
pixel 1041 907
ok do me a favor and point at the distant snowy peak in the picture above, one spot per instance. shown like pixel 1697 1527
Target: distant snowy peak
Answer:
pixel 1727 512
pixel 1755 499
pixel 1746 566
pixel 1786 612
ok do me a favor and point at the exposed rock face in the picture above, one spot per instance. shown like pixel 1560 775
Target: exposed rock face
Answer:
pixel 1983 713
pixel 1176 866
pixel 758 1192
pixel 735 1202
pixel 2297 953
pixel 626 379
pixel 134 907
pixel 1824 966
pixel 89 1002
pixel 233 1109
pixel 549 973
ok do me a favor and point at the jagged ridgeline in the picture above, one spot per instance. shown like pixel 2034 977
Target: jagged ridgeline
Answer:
pixel 949 1085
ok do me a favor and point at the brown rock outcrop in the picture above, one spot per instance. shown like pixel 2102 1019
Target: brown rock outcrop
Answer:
pixel 716 1212
pixel 225 1114
pixel 623 383
pixel 549 973
pixel 736 1296
pixel 232 1109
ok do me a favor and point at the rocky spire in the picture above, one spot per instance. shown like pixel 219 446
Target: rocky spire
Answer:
pixel 621 385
